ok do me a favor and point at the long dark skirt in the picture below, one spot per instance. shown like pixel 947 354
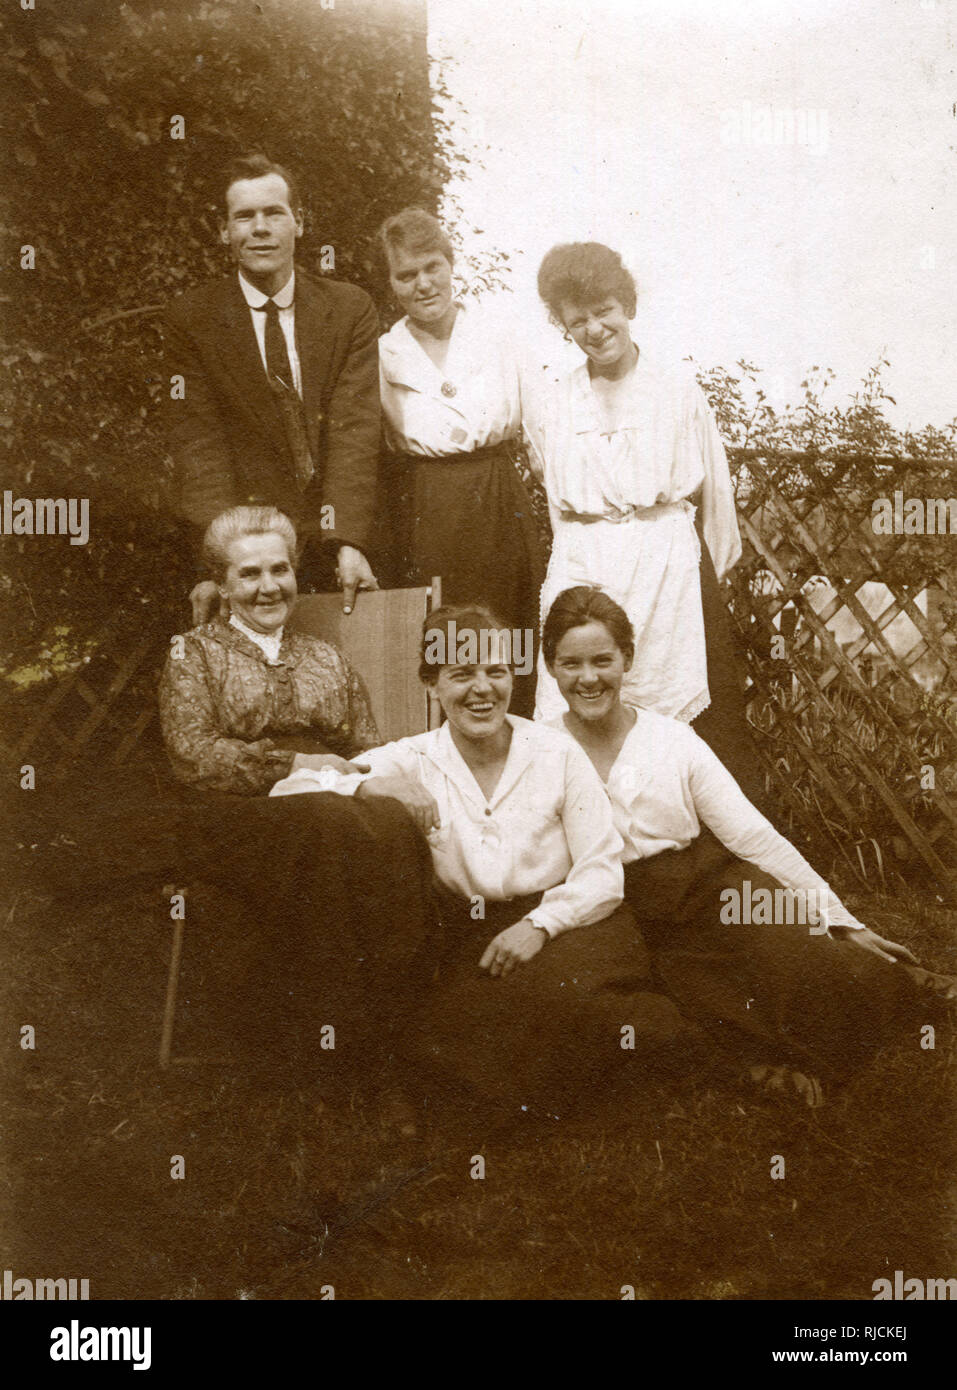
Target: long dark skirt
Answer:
pixel 344 914
pixel 723 725
pixel 332 897
pixel 774 994
pixel 469 519
pixel 537 1036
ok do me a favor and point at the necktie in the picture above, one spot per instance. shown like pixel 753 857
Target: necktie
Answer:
pixel 277 356
pixel 279 372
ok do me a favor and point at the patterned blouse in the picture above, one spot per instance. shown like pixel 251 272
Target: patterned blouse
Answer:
pixel 226 710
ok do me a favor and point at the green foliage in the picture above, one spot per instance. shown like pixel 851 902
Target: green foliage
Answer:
pixel 835 459
pixel 123 218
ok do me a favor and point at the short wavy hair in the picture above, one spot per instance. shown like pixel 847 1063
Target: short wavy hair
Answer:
pixel 586 604
pixel 448 624
pixel 244 521
pixel 414 230
pixel 257 166
pixel 581 273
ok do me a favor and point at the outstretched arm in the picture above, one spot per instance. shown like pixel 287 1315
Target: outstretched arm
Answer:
pixel 723 807
pixel 391 771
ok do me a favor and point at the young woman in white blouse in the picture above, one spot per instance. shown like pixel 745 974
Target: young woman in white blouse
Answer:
pixel 628 449
pixel 796 984
pixel 451 402
pixel 539 967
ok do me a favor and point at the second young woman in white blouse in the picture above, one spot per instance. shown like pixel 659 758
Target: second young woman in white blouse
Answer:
pixel 790 980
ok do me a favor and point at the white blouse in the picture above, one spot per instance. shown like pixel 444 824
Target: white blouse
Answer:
pixel 664 447
pixel 666 781
pixel 548 826
pixel 481 402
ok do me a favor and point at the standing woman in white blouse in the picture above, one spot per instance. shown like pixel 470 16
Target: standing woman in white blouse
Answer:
pixel 449 380
pixel 628 450
pixel 802 989
pixel 539 967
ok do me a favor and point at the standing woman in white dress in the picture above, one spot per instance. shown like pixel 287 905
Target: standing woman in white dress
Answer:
pixel 449 380
pixel 629 451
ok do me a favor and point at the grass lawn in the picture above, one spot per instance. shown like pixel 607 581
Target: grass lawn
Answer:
pixel 662 1181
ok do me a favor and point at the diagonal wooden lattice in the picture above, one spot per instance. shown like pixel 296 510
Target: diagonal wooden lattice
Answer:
pixel 102 709
pixel 852 738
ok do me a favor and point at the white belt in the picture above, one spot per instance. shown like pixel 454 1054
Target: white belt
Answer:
pixel 618 515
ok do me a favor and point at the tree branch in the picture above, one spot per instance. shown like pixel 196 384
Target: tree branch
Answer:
pixel 88 325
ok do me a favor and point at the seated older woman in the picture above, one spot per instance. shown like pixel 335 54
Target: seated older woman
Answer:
pixel 539 968
pixel 337 891
pixel 242 702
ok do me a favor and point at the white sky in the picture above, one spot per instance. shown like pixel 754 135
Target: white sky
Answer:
pixel 609 120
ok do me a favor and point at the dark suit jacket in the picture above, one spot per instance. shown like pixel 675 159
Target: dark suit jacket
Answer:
pixel 226 436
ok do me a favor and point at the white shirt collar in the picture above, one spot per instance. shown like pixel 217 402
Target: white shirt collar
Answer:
pixel 267 642
pixel 445 755
pixel 647 743
pixel 256 299
pixel 406 362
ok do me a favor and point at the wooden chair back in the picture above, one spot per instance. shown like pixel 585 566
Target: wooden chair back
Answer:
pixel 381 638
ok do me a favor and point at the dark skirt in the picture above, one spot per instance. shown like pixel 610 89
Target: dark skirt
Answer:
pixel 468 518
pixel 329 920
pixel 535 1038
pixel 723 725
pixel 774 994
pixel 339 897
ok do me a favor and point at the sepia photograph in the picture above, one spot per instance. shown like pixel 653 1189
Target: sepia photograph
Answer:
pixel 478 679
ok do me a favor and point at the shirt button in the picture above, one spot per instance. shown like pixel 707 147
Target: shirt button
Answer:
pixel 487 811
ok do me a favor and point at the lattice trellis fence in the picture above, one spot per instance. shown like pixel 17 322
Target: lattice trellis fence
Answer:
pixel 98 714
pixel 859 734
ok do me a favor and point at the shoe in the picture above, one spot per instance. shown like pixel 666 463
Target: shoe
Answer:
pixel 941 986
pixel 782 1079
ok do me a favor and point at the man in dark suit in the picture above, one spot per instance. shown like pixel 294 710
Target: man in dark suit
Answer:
pixel 274 393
